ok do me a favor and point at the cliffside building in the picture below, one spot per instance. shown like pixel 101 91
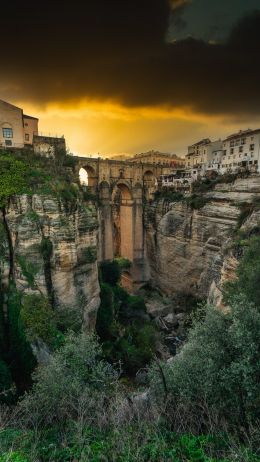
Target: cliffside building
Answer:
pixel 160 158
pixel 18 131
pixel 203 156
pixel 241 150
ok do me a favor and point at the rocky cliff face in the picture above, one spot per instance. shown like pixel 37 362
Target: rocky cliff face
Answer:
pixel 50 247
pixel 189 251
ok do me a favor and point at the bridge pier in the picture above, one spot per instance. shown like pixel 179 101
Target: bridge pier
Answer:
pixel 122 188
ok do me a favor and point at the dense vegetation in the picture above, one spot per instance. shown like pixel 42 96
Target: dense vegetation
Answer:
pixel 128 337
pixel 25 319
pixel 202 406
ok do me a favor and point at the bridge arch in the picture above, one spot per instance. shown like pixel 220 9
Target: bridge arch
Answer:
pixel 88 176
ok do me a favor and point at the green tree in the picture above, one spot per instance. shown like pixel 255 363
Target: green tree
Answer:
pixel 13 175
pixel 38 319
pixel 106 312
pixel 76 380
pixel 248 273
pixel 218 365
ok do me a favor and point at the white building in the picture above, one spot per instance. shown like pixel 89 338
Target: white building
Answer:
pixel 241 150
pixel 203 156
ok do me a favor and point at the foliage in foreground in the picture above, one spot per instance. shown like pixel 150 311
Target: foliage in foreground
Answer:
pixel 75 376
pixel 218 366
pixel 132 443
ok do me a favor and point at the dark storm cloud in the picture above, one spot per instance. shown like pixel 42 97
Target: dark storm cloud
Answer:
pixel 117 50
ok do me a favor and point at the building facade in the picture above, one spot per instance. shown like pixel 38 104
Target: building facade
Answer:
pixel 156 157
pixel 203 156
pixel 12 129
pixel 18 131
pixel 241 150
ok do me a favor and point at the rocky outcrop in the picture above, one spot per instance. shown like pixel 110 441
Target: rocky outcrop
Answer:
pixel 52 248
pixel 188 251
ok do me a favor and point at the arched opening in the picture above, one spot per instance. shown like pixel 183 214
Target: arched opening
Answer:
pixel 87 176
pixel 122 211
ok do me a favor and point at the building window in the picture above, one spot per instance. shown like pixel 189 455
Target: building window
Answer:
pixel 243 141
pixel 252 147
pixel 8 142
pixel 27 137
pixel 7 132
pixel 241 148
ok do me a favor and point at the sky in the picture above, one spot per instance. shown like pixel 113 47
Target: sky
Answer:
pixel 127 76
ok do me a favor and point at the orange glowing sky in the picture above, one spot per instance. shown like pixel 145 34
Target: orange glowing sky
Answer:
pixel 106 129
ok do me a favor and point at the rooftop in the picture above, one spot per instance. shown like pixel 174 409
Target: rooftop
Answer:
pixel 30 117
pixel 242 133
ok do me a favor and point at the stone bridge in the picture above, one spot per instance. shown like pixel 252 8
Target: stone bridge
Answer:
pixel 122 188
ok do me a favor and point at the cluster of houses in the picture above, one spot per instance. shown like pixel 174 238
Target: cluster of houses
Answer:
pixel 238 153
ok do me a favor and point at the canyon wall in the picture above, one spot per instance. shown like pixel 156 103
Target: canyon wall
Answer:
pixel 50 247
pixel 191 250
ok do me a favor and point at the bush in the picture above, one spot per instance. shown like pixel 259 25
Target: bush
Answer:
pixel 46 248
pixel 197 202
pixel 218 365
pixel 171 196
pixel 89 254
pixel 136 348
pixel 22 360
pixel 105 314
pixel 75 379
pixel 248 273
pixel 38 319
pixel 12 177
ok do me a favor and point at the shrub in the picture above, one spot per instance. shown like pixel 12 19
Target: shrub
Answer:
pixel 46 248
pixel 75 379
pixel 22 360
pixel 136 348
pixel 197 202
pixel 248 273
pixel 105 314
pixel 171 196
pixel 12 177
pixel 29 270
pixel 218 365
pixel 38 319
pixel 90 254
